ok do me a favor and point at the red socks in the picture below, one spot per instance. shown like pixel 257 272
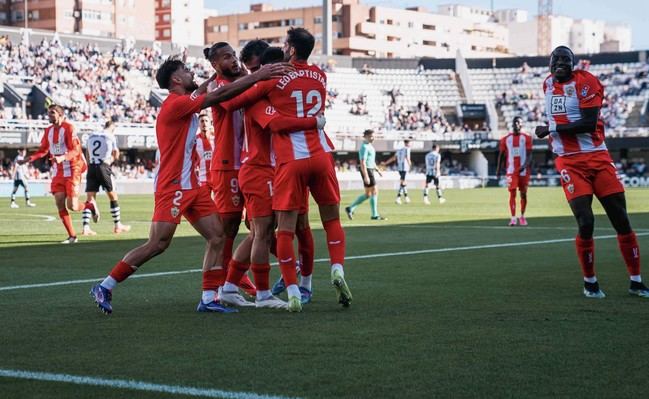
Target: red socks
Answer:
pixel 512 202
pixel 306 248
pixel 586 256
pixel 236 270
pixel 286 256
pixel 67 222
pixel 628 245
pixel 261 273
pixel 335 241
pixel 212 279
pixel 121 271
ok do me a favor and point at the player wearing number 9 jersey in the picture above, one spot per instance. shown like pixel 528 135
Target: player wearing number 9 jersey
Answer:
pixel 177 191
pixel 572 102
pixel 304 162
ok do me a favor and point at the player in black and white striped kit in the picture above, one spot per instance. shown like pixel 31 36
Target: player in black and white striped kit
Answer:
pixel 433 172
pixel 102 150
pixel 20 179
pixel 402 158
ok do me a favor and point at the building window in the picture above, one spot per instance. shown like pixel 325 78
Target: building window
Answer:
pixel 243 26
pixel 17 15
pixel 166 17
pixel 411 25
pixel 429 27
pixel 223 28
pixel 165 3
pixel 33 15
pixel 335 18
pixel 430 43
pixel 317 19
pixel 166 32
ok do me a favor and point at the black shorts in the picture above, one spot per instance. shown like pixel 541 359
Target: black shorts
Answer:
pixel 370 175
pixel 99 175
pixel 432 178
pixel 20 182
pixel 402 174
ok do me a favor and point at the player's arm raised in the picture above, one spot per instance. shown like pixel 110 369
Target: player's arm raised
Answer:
pixel 226 92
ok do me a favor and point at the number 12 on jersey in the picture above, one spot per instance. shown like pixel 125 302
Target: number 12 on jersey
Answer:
pixel 312 97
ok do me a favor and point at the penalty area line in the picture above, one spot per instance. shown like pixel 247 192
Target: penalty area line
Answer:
pixel 323 260
pixel 135 385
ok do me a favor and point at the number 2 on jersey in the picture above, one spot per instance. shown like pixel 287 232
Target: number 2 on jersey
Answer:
pixel 313 96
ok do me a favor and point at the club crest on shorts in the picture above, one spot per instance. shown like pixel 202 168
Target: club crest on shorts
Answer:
pixel 236 200
pixel 175 212
pixel 584 91
pixel 570 188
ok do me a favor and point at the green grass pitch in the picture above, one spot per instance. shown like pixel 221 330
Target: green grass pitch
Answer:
pixel 475 316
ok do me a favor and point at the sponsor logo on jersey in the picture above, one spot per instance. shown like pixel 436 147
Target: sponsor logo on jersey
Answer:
pixel 558 105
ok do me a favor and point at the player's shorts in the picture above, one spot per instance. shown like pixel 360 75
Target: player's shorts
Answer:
pixel 20 182
pixel 99 175
pixel 294 178
pixel 227 194
pixel 256 184
pixel 370 175
pixel 192 204
pixel 402 174
pixel 516 181
pixel 67 185
pixel 432 178
pixel 587 174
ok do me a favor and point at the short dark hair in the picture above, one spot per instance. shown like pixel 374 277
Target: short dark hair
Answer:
pixel 210 52
pixel 517 118
pixel 367 132
pixel 57 107
pixel 163 76
pixel 302 41
pixel 253 48
pixel 108 124
pixel 271 55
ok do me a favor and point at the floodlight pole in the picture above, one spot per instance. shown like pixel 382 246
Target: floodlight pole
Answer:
pixel 327 38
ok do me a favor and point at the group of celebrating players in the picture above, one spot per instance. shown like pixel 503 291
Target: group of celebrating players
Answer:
pixel 270 152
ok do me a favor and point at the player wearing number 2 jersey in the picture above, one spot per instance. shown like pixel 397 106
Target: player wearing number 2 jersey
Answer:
pixel 177 191
pixel 572 103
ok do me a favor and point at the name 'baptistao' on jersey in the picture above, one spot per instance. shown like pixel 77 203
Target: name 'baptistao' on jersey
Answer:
pixel 175 129
pixel 100 147
pixel 300 94
pixel 563 102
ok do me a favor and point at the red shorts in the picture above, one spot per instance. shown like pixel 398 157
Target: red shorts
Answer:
pixel 256 184
pixel 67 185
pixel 518 182
pixel 294 179
pixel 192 204
pixel 227 195
pixel 587 174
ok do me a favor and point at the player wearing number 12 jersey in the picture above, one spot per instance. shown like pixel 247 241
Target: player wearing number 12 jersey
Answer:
pixel 177 191
pixel 572 103
pixel 304 162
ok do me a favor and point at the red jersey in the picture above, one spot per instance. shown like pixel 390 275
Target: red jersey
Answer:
pixel 204 158
pixel 176 129
pixel 562 104
pixel 228 134
pixel 299 94
pixel 516 147
pixel 256 148
pixel 62 140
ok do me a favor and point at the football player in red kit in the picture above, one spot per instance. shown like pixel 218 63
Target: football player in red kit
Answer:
pixel 573 99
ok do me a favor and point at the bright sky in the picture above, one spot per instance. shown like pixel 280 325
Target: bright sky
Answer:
pixel 631 12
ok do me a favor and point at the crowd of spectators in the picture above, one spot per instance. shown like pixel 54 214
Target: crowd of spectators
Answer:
pixel 423 116
pixel 89 83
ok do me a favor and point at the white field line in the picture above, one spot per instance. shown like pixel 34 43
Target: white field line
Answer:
pixel 46 218
pixel 321 260
pixel 136 385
